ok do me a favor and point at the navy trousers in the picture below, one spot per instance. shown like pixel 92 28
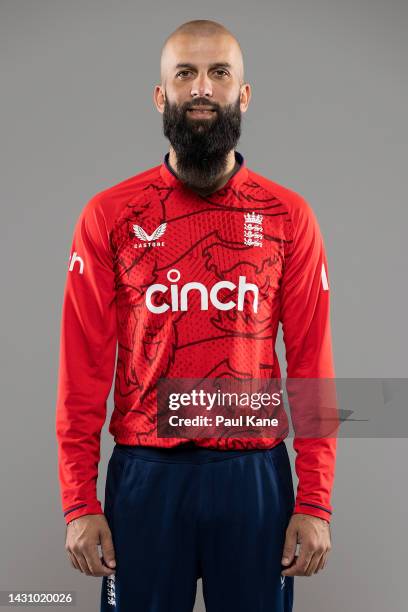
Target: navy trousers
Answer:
pixel 180 514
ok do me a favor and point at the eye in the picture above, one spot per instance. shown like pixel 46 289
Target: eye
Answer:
pixel 182 71
pixel 221 70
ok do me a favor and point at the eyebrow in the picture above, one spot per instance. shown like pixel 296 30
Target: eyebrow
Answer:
pixel 215 65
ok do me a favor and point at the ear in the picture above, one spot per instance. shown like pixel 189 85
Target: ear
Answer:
pixel 245 97
pixel 159 98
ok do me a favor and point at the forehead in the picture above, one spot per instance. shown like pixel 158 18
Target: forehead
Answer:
pixel 201 51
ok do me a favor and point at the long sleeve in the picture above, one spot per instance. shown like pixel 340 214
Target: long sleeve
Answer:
pixel 88 338
pixel 305 317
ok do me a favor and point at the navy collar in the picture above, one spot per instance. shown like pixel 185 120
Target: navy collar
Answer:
pixel 235 179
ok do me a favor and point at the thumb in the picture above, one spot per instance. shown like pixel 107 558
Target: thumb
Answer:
pixel 289 548
pixel 108 552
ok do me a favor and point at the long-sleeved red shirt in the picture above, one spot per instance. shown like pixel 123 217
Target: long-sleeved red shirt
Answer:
pixel 150 230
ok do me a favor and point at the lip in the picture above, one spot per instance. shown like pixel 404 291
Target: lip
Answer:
pixel 201 112
pixel 208 108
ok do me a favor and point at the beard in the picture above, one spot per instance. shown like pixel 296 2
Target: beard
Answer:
pixel 202 145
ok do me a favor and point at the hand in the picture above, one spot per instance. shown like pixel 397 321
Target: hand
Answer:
pixel 313 535
pixel 82 538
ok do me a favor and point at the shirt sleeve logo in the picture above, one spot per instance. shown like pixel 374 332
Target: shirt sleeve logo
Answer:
pixel 76 259
pixel 325 282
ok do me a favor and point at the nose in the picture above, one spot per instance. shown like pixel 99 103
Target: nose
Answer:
pixel 201 86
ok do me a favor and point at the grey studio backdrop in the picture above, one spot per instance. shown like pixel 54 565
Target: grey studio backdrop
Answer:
pixel 327 119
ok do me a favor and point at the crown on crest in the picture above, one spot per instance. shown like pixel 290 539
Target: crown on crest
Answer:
pixel 253 218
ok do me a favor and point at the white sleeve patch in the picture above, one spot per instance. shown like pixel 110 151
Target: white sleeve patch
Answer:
pixel 73 259
pixel 324 279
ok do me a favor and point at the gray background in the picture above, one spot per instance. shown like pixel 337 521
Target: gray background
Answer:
pixel 327 119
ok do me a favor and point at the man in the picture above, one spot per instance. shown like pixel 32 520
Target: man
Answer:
pixel 177 509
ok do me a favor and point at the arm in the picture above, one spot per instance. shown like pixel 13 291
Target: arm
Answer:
pixel 86 362
pixel 305 305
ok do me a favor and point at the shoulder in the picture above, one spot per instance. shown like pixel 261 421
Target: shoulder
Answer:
pixel 105 205
pixel 301 219
pixel 296 204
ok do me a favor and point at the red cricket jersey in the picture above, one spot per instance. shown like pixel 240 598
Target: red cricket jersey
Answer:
pixel 131 241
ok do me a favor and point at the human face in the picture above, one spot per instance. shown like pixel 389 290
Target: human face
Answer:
pixel 202 72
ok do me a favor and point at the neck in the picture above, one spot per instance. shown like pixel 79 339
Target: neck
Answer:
pixel 221 180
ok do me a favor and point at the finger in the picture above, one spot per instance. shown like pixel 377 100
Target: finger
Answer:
pixel 108 551
pixel 323 561
pixel 76 556
pixel 94 562
pixel 319 565
pixel 73 561
pixel 305 556
pixel 107 571
pixel 314 562
pixel 292 570
pixel 289 548
pixel 82 563
pixel 302 562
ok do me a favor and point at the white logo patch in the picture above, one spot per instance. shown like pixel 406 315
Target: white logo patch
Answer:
pixel 73 259
pixel 110 582
pixel 325 282
pixel 179 296
pixel 253 230
pixel 152 239
pixel 282 581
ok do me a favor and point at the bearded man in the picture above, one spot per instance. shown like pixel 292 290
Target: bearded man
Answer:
pixel 188 268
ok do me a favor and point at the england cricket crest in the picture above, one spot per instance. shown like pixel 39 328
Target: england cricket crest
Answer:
pixel 253 230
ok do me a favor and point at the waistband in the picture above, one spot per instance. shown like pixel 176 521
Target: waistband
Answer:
pixel 190 453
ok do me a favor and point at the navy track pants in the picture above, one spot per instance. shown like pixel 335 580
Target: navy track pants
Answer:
pixel 180 514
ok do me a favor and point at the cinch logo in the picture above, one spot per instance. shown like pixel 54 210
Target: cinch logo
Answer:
pixel 179 295
pixel 74 258
pixel 149 241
